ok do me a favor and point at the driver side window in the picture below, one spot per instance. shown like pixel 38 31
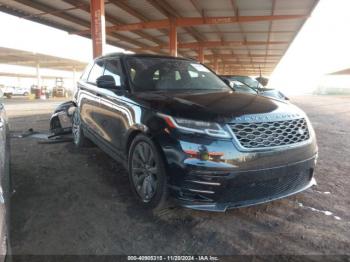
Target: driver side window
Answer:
pixel 96 72
pixel 113 68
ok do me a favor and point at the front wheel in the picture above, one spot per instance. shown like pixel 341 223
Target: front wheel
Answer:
pixel 79 138
pixel 147 173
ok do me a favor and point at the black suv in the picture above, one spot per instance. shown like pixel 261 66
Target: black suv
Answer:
pixel 180 130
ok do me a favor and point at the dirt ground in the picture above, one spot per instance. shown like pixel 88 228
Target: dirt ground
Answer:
pixel 71 201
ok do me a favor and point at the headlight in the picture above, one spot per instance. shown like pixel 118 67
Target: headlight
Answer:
pixel 208 128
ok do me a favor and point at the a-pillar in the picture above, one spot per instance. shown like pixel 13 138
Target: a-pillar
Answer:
pixel 98 29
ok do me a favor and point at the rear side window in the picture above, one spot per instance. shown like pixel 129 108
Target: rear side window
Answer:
pixel 113 68
pixel 96 72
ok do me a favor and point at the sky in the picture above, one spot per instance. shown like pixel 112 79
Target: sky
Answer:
pixel 322 46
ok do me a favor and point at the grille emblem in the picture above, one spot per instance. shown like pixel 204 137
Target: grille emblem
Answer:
pixel 300 131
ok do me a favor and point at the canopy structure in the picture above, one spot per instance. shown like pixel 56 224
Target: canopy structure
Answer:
pixel 231 36
pixel 23 75
pixel 37 60
pixel 25 58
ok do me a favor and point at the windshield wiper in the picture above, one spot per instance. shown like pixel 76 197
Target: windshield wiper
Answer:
pixel 253 88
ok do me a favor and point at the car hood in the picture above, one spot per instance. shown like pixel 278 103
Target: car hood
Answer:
pixel 211 106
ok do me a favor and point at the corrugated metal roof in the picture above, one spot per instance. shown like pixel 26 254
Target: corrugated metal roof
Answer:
pixel 73 16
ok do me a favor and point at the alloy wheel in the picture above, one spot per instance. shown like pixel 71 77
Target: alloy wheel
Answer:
pixel 76 127
pixel 144 171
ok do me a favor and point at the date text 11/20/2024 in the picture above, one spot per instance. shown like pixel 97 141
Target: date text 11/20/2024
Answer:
pixel 173 258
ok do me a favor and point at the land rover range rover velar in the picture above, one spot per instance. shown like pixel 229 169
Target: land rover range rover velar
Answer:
pixel 182 132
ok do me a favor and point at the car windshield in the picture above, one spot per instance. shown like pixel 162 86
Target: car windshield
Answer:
pixel 242 87
pixel 251 82
pixel 166 74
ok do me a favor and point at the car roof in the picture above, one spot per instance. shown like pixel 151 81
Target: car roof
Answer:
pixel 119 55
pixel 233 76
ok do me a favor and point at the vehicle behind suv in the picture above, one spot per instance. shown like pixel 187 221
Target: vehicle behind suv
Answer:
pixel 10 91
pixel 248 84
pixel 181 131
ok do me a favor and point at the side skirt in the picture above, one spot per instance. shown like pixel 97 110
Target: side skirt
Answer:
pixel 105 148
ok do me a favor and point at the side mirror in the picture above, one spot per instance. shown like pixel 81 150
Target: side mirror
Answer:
pixel 106 81
pixel 262 80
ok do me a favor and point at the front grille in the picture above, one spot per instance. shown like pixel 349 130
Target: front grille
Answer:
pixel 264 189
pixel 270 134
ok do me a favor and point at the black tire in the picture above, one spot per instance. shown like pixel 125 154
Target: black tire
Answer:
pixel 9 96
pixel 157 189
pixel 79 138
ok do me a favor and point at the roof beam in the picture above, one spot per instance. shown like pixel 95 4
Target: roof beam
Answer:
pixel 48 9
pixel 9 10
pixel 51 13
pixel 243 34
pixel 228 49
pixel 171 13
pixel 42 20
pixel 225 56
pixel 270 27
pixel 211 44
pixel 86 7
pixel 202 14
pixel 76 20
pixel 195 21
pixel 125 7
pixel 247 32
pixel 242 63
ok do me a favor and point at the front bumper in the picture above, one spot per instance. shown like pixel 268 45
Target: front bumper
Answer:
pixel 228 178
pixel 246 188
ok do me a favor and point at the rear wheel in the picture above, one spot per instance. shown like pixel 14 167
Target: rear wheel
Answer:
pixel 147 173
pixel 79 138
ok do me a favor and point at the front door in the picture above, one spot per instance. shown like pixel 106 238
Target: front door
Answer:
pixel 116 112
pixel 89 101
